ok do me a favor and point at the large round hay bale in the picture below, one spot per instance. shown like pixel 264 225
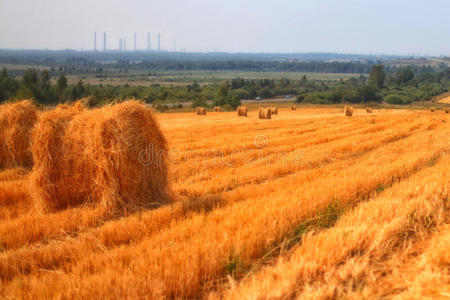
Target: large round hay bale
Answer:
pixel 447 110
pixel 432 109
pixel 293 107
pixel 16 123
pixel 369 110
pixel 217 108
pixel 348 110
pixel 274 110
pixel 112 157
pixel 242 111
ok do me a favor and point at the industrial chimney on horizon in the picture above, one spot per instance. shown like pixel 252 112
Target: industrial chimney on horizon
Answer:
pixel 104 41
pixel 159 41
pixel 135 48
pixel 148 41
pixel 95 41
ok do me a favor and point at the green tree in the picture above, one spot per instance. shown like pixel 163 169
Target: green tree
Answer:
pixel 61 85
pixel 223 89
pixel 234 102
pixel 30 79
pixel 44 80
pixel 377 76
pixel 403 75
pixel 303 80
pixel 367 93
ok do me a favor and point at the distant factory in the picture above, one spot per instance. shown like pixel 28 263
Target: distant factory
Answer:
pixel 122 43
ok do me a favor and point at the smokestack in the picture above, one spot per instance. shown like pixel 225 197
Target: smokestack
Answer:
pixel 148 41
pixel 124 45
pixel 120 45
pixel 95 41
pixel 104 41
pixel 175 45
pixel 135 42
pixel 159 41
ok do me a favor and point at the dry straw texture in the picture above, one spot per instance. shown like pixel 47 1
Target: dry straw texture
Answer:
pixel 369 110
pixel 274 110
pixel 264 113
pixel 16 122
pixel 432 109
pixel 201 111
pixel 113 157
pixel 348 110
pixel 217 108
pixel 242 111
pixel 293 107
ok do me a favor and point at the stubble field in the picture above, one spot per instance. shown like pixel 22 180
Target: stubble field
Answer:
pixel 309 204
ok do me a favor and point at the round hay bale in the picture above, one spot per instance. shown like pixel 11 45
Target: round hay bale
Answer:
pixel 16 123
pixel 242 111
pixel 217 108
pixel 447 110
pixel 264 113
pixel 201 111
pixel 432 109
pixel 293 107
pixel 369 110
pixel 274 110
pixel 112 158
pixel 348 110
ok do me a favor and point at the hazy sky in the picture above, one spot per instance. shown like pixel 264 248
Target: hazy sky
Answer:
pixel 349 26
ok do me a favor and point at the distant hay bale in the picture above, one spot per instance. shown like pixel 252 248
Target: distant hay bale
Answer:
pixel 264 113
pixel 432 109
pixel 274 110
pixel 447 110
pixel 217 108
pixel 369 110
pixel 348 110
pixel 201 111
pixel 293 107
pixel 242 111
pixel 111 157
pixel 16 123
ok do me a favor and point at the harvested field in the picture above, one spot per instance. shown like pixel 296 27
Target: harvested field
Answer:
pixel 310 204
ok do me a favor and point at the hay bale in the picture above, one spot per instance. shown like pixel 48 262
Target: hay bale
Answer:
pixel 242 111
pixel 293 107
pixel 217 108
pixel 447 110
pixel 112 158
pixel 274 110
pixel 264 113
pixel 201 111
pixel 16 123
pixel 432 109
pixel 348 110
pixel 369 110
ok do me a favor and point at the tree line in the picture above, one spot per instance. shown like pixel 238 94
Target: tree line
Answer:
pixel 403 86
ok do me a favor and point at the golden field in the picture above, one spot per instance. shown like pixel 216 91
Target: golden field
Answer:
pixel 309 204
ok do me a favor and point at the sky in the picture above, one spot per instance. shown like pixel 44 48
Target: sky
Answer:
pixel 403 27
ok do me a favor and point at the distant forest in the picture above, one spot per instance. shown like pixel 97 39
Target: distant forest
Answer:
pixel 402 87
pixel 96 62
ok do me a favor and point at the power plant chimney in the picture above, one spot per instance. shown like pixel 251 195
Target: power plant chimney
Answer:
pixel 104 41
pixel 95 41
pixel 148 41
pixel 159 41
pixel 124 45
pixel 135 42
